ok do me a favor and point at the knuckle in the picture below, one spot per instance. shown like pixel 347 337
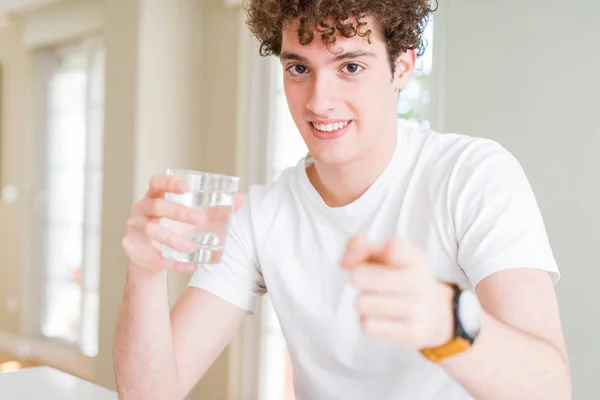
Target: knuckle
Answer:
pixel 167 264
pixel 356 277
pixel 137 207
pixel 370 326
pixel 126 243
pixel 155 207
pixel 140 207
pixel 155 180
pixel 366 324
pixel 148 229
pixel 182 213
pixel 361 304
pixel 171 239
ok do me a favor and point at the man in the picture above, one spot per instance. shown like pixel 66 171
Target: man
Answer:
pixel 372 248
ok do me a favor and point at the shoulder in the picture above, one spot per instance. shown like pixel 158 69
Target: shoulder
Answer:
pixel 454 149
pixel 264 196
pixel 264 201
pixel 259 210
pixel 457 158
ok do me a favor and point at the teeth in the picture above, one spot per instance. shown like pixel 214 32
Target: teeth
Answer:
pixel 330 127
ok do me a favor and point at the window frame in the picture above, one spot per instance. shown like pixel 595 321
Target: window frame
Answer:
pixel 61 353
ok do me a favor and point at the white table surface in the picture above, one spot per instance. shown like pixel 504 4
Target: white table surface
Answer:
pixel 49 384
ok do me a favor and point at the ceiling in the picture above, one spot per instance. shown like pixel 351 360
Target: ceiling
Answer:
pixel 7 6
pixel 11 5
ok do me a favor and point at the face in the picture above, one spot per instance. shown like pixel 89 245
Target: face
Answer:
pixel 343 97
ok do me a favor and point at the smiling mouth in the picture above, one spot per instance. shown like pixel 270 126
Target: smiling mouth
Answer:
pixel 332 127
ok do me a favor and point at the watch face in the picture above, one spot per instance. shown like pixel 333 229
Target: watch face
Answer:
pixel 469 313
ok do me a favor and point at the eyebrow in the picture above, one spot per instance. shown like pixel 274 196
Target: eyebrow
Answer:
pixel 351 55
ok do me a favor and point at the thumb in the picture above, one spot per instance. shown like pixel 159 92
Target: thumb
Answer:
pixel 401 253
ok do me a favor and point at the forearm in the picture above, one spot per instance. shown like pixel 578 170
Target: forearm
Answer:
pixel 145 363
pixel 505 363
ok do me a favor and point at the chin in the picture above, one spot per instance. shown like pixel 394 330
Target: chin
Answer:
pixel 333 156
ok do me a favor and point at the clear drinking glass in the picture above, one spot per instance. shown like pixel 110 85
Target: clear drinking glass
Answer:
pixel 214 195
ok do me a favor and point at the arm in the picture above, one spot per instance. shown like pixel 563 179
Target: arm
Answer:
pixel 520 352
pixel 162 354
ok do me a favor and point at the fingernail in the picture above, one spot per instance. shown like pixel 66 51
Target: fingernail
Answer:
pixel 190 267
pixel 181 186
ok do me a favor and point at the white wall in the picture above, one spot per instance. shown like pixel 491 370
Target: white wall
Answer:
pixel 525 74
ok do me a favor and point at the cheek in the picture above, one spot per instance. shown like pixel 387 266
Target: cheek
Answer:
pixel 372 93
pixel 367 102
pixel 382 98
pixel 296 100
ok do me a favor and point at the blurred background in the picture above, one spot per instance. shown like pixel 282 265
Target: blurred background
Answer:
pixel 98 95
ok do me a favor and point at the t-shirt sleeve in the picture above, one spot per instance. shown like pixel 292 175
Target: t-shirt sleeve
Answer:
pixel 237 278
pixel 496 216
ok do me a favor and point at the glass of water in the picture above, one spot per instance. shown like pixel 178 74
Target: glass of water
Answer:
pixel 214 195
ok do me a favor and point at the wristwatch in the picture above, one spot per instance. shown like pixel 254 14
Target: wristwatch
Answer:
pixel 467 312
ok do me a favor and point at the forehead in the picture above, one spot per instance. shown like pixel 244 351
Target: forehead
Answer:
pixel 290 42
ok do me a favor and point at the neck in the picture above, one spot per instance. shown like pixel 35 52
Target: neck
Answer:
pixel 340 185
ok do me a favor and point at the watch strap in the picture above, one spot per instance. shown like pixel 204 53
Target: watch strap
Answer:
pixel 460 340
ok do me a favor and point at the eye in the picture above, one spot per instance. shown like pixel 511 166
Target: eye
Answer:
pixel 296 70
pixel 352 68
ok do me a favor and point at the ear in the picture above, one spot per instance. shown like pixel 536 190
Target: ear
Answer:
pixel 404 69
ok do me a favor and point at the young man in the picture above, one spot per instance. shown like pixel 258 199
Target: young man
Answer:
pixel 402 264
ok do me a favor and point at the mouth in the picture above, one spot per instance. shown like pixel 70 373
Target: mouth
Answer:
pixel 330 130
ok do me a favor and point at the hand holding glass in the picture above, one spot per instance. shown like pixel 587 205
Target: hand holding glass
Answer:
pixel 214 195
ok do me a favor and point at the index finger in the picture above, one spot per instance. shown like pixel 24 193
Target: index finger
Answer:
pixel 163 183
pixel 401 253
pixel 360 250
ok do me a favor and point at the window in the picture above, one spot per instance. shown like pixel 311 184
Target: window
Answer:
pixel 285 148
pixel 287 145
pixel 70 193
pixel 414 103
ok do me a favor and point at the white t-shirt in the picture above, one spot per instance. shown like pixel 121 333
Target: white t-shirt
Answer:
pixel 465 201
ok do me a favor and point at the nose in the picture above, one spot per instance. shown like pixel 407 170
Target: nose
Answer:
pixel 322 97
